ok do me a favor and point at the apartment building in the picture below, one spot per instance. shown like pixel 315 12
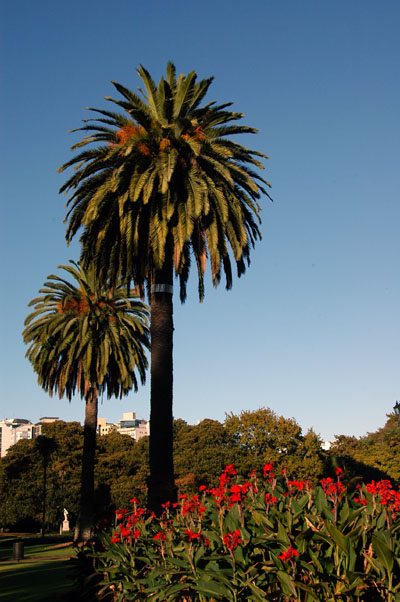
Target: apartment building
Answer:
pixel 128 425
pixel 13 430
pixel 104 427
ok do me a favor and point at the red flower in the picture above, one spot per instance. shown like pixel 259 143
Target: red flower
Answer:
pixel 361 501
pixel 268 470
pixel 332 489
pixel 372 487
pixel 232 540
pixel 230 469
pixel 192 535
pixel 270 499
pixel 160 536
pixel 290 553
pixel 125 531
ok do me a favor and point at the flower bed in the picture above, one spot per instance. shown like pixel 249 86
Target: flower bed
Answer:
pixel 267 538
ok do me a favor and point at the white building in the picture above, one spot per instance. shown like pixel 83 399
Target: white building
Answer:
pixel 129 425
pixel 42 421
pixel 104 427
pixel 13 430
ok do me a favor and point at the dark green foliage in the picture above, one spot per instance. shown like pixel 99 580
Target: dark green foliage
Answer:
pixel 374 456
pixel 200 453
pixel 20 504
pixel 263 436
pixel 119 471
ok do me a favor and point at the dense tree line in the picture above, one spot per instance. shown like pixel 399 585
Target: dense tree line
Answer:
pixel 376 455
pixel 201 452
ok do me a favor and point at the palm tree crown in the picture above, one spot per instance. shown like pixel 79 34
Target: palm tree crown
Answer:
pixel 163 179
pixel 83 336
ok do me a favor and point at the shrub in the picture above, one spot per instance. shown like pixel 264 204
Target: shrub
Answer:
pixel 267 538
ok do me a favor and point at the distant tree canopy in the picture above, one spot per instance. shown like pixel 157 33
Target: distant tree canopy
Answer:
pixel 262 436
pixel 201 452
pixel 118 460
pixel 374 456
pixel 248 440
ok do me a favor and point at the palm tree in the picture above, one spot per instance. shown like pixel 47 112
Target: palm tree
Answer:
pixel 162 185
pixel 87 339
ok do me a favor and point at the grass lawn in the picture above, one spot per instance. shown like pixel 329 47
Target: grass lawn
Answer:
pixel 46 574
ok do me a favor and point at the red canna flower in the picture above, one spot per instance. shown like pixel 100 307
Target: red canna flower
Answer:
pixel 161 536
pixel 192 535
pixel 270 499
pixel 232 540
pixel 230 469
pixel 288 554
pixel 269 470
pixel 361 501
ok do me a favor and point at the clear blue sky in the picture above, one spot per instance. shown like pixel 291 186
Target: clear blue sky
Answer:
pixel 312 329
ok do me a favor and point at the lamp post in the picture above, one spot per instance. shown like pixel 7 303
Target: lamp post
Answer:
pixel 61 474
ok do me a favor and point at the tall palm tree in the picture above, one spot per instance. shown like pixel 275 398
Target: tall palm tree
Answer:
pixel 86 338
pixel 164 184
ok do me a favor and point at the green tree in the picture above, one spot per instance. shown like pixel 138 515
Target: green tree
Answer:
pixel 201 453
pixel 120 460
pixel 89 339
pixel 164 184
pixel 373 456
pixel 20 505
pixel 121 468
pixel 263 436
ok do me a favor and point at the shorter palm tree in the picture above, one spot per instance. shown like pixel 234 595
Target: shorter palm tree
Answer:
pixel 84 338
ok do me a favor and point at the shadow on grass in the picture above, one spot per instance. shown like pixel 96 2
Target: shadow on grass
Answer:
pixel 37 581
pixel 36 546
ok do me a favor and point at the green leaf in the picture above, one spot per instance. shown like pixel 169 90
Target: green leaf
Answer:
pixel 214 589
pixel 320 499
pixel 177 587
pixel 287 583
pixel 383 552
pixel 309 590
pixel 337 536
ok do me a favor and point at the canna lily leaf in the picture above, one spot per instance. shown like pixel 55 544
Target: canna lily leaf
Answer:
pixel 287 583
pixel 214 589
pixel 383 552
pixel 336 535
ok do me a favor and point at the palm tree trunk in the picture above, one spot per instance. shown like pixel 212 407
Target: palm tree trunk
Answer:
pixel 161 480
pixel 86 519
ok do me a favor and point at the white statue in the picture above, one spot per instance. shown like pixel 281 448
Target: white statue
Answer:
pixel 65 514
